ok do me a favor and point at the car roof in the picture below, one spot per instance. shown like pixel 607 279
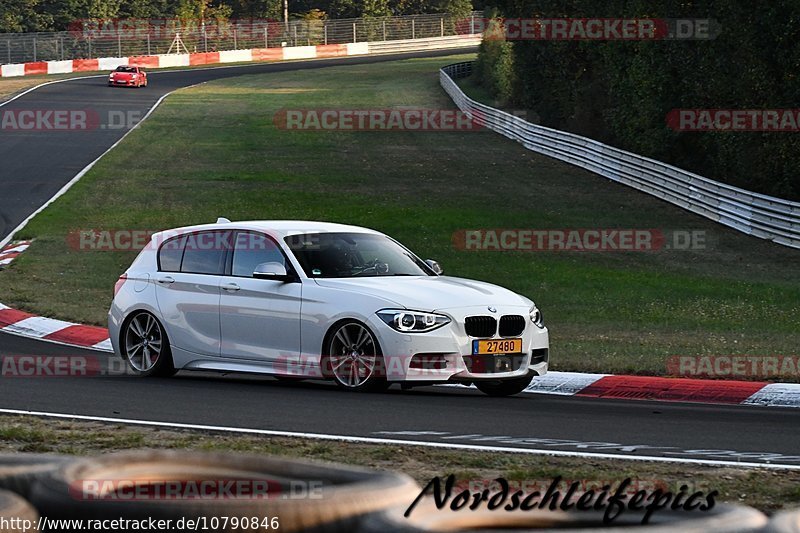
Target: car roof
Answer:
pixel 277 228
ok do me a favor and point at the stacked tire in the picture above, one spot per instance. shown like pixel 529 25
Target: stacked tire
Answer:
pixel 345 499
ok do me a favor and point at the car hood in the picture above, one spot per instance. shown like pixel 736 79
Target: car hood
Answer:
pixel 428 293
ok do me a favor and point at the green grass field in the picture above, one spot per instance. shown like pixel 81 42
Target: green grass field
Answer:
pixel 213 150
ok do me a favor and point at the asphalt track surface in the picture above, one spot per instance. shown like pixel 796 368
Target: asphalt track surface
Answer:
pixel 35 165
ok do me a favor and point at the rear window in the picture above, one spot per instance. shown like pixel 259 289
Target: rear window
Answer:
pixel 205 252
pixel 170 254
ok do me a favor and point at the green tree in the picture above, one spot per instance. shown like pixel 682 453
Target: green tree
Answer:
pixel 22 16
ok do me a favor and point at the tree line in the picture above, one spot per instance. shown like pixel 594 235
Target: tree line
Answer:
pixel 57 15
pixel 622 92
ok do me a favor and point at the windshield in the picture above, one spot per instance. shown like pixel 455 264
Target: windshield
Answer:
pixel 126 69
pixel 349 255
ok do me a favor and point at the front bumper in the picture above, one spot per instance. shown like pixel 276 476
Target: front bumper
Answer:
pixel 445 354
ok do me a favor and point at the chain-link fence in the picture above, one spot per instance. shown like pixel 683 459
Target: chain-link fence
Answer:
pixel 135 37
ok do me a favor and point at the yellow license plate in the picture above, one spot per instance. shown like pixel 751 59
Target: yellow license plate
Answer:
pixel 500 346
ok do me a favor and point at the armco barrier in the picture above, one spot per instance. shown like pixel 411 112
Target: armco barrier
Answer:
pixel 755 214
pixel 239 56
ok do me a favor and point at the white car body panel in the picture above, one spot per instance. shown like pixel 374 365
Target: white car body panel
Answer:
pixel 276 327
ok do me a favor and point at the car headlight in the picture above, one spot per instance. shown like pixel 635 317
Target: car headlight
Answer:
pixel 406 321
pixel 536 317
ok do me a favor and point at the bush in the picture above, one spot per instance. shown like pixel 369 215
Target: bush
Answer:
pixel 620 92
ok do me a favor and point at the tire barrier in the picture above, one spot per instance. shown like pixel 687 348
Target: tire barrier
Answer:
pixel 303 496
pixel 14 507
pixel 328 497
pixel 426 518
pixel 18 472
pixel 784 522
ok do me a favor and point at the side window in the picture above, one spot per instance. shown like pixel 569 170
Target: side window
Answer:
pixel 251 250
pixel 170 254
pixel 205 252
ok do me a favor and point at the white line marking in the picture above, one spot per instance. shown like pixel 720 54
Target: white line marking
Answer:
pixel 374 440
pixel 86 169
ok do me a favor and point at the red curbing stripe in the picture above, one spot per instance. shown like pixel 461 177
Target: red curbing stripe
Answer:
pixel 672 389
pixel 267 54
pixel 11 255
pixel 80 335
pixel 204 58
pixel 39 67
pixel 331 50
pixel 12 316
pixel 143 61
pixel 84 65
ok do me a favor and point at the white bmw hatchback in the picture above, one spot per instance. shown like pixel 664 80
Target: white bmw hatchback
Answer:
pixel 318 300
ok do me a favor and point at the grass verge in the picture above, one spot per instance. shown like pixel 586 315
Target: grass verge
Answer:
pixel 214 150
pixel 766 490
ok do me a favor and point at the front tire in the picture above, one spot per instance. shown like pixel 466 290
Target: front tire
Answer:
pixel 145 346
pixel 353 358
pixel 508 387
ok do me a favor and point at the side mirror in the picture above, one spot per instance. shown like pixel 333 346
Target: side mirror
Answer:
pixel 272 271
pixel 436 267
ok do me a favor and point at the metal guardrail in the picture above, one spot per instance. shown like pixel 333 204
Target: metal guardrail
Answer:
pixel 762 216
pixel 133 37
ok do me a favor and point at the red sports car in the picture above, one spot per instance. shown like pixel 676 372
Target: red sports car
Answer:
pixel 128 77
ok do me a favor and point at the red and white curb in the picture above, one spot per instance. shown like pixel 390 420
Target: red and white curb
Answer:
pixel 668 389
pixel 49 329
pixel 10 252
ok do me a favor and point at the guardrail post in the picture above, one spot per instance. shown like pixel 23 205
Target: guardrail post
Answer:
pixel 384 29
pixel 119 44
pixel 325 31
pixel 8 42
pixel 441 26
pixel 34 49
pixel 235 42
pixel 148 43
pixel 205 38
pixel 294 33
pixel 354 32
pixel 413 29
pixel 472 24
pixel 89 40
pixel 62 49
pixel 266 37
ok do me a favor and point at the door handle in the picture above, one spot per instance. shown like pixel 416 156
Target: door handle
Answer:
pixel 166 280
pixel 230 287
